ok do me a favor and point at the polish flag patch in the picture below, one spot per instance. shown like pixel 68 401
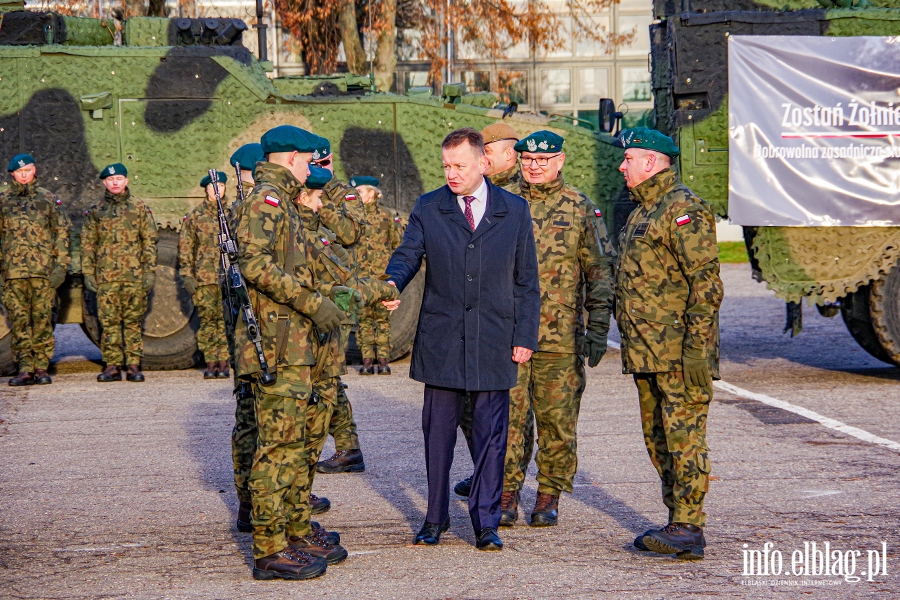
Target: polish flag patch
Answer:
pixel 597 212
pixel 350 197
pixel 682 220
pixel 396 219
pixel 58 202
pixel 324 241
pixel 272 201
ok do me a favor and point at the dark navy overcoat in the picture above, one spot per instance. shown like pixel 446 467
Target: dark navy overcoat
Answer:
pixel 482 295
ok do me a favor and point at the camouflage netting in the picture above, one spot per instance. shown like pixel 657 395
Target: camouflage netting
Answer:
pixel 824 263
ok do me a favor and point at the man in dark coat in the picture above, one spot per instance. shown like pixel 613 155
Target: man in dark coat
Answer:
pixel 479 319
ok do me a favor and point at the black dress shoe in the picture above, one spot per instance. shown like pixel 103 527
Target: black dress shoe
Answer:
pixel 464 487
pixel 488 540
pixel 682 539
pixel 430 534
pixel 244 524
pixel 317 505
pixel 288 564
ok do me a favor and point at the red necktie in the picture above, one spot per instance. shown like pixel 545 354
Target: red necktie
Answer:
pixel 469 216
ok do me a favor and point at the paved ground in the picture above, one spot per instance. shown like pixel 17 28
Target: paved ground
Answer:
pixel 125 490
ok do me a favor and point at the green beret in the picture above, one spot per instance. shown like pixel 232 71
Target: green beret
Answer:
pixel 20 160
pixel 247 156
pixel 648 139
pixel 223 178
pixel 364 180
pixel 323 149
pixel 541 142
pixel 318 177
pixel 114 169
pixel 287 138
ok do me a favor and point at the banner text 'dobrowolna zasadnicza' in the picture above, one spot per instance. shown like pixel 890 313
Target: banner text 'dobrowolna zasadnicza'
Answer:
pixel 814 126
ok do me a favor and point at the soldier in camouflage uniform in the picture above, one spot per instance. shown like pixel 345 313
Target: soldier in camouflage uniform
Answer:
pixel 292 315
pixel 575 271
pixel 668 294
pixel 200 266
pixel 503 171
pixel 342 213
pixel 383 235
pixel 34 245
pixel 118 260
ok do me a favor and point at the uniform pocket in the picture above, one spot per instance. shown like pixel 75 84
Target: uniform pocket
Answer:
pixel 281 420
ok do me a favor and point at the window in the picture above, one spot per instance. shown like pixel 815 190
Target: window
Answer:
pixel 592 116
pixel 640 24
pixel 415 79
pixel 477 81
pixel 588 47
pixel 290 48
pixel 513 86
pixel 563 37
pixel 593 84
pixel 556 87
pixel 636 85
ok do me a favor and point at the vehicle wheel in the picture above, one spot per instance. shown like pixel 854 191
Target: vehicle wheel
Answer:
pixel 856 314
pixel 170 324
pixel 404 321
pixel 884 307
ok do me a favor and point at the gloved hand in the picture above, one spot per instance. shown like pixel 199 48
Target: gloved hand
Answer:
pixel 149 280
pixel 696 369
pixel 90 283
pixel 190 284
pixel 347 299
pixel 58 276
pixel 328 317
pixel 594 346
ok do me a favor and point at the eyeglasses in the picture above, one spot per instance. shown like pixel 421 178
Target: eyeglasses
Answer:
pixel 541 162
pixel 322 163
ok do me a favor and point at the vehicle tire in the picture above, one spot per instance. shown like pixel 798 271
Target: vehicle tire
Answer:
pixel 170 324
pixel 856 314
pixel 404 321
pixel 884 308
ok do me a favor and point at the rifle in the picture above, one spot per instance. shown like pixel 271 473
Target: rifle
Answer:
pixel 235 286
pixel 240 183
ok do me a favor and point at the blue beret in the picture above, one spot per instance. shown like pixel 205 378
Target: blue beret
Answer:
pixel 323 150
pixel 247 156
pixel 20 160
pixel 223 178
pixel 318 177
pixel 541 142
pixel 648 139
pixel 114 169
pixel 287 138
pixel 364 180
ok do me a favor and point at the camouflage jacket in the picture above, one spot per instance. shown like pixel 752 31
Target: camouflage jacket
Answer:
pixel 509 180
pixel 269 233
pixel 34 232
pixel 383 235
pixel 575 260
pixel 342 212
pixel 118 239
pixel 198 245
pixel 668 289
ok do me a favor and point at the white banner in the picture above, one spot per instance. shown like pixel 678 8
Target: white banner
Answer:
pixel 814 127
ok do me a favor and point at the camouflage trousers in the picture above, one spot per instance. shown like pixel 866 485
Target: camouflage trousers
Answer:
pixel 318 417
pixel 211 336
pixel 29 302
pixel 281 462
pixel 373 337
pixel 527 436
pixel 120 309
pixel 673 417
pixel 550 384
pixel 343 427
pixel 243 439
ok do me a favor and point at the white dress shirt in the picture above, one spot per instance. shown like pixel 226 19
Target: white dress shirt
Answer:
pixel 478 205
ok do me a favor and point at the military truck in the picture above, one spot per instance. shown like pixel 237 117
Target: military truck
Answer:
pixel 847 270
pixel 171 98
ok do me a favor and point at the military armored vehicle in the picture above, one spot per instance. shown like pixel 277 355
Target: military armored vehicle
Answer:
pixel 171 98
pixel 851 270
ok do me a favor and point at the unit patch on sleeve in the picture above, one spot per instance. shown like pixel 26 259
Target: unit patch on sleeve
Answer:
pixel 272 200
pixel 597 212
pixel 682 220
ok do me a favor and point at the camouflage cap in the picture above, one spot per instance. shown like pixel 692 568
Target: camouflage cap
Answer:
pixel 223 178
pixel 498 132
pixel 364 180
pixel 318 177
pixel 114 169
pixel 541 142
pixel 648 139
pixel 247 156
pixel 20 160
pixel 323 149
pixel 287 138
